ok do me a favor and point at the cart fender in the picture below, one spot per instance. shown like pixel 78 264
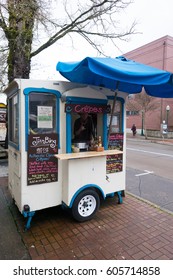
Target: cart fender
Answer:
pixel 88 186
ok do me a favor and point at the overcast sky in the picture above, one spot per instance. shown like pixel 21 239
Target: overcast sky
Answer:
pixel 154 18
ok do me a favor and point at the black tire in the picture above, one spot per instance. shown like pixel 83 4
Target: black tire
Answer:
pixel 85 205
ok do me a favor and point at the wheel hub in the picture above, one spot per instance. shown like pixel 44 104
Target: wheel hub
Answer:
pixel 87 205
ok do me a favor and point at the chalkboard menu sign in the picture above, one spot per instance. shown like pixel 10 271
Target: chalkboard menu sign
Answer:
pixel 115 141
pixel 114 163
pixel 42 164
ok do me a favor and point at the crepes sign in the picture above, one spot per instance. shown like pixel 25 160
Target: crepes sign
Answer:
pixel 87 108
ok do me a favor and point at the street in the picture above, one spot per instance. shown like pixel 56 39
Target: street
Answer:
pixel 149 172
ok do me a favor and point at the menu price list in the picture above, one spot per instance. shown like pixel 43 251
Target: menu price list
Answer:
pixel 114 163
pixel 42 164
pixel 116 141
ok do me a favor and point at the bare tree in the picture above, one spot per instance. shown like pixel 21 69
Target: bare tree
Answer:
pixel 22 24
pixel 143 103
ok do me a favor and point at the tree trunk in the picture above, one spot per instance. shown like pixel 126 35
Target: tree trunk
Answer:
pixel 18 63
pixel 20 36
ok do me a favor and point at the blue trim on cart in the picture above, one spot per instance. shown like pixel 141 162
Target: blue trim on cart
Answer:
pixel 85 100
pixel 120 199
pixel 26 92
pixel 83 188
pixel 68 133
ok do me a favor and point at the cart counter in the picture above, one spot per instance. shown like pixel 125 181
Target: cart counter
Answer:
pixel 89 154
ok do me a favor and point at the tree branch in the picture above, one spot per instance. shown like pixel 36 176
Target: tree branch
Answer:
pixel 78 25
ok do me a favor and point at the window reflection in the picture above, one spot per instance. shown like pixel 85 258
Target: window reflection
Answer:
pixel 14 119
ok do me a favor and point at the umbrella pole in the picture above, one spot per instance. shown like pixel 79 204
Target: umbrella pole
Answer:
pixel 112 112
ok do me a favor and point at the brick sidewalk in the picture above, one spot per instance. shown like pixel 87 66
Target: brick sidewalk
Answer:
pixel 133 230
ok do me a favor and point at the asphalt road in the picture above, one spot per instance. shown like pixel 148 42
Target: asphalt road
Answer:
pixel 150 172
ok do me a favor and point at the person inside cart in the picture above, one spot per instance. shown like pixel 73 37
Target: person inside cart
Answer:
pixel 84 129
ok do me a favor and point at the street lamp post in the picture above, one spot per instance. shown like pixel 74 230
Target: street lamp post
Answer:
pixel 167 113
pixel 142 127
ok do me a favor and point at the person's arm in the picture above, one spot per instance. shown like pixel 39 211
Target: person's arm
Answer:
pixel 81 128
pixel 78 127
pixel 91 128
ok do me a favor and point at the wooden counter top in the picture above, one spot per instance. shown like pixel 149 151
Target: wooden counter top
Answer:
pixel 87 154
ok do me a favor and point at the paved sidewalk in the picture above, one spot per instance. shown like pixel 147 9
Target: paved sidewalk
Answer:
pixel 138 137
pixel 132 230
pixel 11 243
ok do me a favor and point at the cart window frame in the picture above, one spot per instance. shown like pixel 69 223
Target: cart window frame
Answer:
pixel 56 125
pixel 118 116
pixel 83 101
pixel 13 120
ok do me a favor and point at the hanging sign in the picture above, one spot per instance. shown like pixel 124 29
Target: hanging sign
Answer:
pixel 45 116
pixel 116 141
pixel 42 164
pixel 87 108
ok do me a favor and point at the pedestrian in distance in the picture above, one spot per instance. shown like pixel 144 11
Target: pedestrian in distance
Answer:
pixel 133 129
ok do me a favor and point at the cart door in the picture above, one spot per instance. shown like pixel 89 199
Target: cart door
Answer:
pixel 42 131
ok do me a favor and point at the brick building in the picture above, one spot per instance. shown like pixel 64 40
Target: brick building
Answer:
pixel 159 54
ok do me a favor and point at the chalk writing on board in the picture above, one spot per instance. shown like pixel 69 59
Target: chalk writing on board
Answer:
pixel 114 163
pixel 116 141
pixel 42 165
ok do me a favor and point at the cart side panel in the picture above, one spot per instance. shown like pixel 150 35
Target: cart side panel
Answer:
pixel 37 196
pixel 89 172
pixel 14 177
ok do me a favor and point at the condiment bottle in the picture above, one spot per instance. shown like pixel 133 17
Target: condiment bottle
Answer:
pixel 100 141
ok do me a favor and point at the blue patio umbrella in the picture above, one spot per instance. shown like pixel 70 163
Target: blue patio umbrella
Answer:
pixel 120 74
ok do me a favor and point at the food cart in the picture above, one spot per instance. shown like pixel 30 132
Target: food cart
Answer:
pixel 46 166
pixel 44 171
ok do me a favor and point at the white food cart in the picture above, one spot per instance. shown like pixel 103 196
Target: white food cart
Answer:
pixel 43 169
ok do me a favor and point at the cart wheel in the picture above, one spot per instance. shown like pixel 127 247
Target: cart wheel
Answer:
pixel 85 205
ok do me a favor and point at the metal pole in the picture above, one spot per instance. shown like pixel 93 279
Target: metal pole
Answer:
pixel 142 128
pixel 167 112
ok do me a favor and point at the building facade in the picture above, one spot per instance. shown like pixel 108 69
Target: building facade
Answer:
pixel 158 54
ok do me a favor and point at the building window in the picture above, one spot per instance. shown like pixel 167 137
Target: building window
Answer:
pixel 132 113
pixel 131 96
